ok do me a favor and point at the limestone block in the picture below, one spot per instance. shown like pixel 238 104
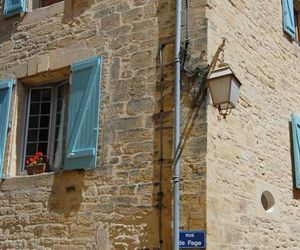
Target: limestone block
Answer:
pixel 140 105
pixel 43 63
pixel 141 60
pixel 19 70
pixel 32 66
pixel 110 21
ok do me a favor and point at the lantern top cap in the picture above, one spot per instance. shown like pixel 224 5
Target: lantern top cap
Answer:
pixel 222 72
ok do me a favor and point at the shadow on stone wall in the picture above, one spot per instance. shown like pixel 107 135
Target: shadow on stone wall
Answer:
pixel 193 127
pixel 66 194
pixel 163 122
pixel 8 27
pixel 74 8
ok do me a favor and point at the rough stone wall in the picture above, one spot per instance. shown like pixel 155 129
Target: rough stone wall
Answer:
pixel 125 203
pixel 250 151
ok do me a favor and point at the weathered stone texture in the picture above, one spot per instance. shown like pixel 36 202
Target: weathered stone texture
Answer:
pixel 117 205
pixel 252 148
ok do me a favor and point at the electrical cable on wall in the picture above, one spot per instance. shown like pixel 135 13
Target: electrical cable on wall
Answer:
pixel 160 193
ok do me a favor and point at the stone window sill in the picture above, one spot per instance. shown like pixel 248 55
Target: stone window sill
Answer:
pixel 44 180
pixel 27 181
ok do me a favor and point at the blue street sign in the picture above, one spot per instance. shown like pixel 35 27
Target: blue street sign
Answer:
pixel 192 239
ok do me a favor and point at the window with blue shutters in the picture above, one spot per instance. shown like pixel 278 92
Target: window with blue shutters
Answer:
pixel 291 18
pixel 14 7
pixel 47 122
pixel 296 147
pixel 61 119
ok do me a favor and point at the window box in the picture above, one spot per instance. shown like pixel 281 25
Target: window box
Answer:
pixel 38 169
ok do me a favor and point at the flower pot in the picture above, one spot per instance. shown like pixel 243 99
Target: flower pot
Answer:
pixel 37 169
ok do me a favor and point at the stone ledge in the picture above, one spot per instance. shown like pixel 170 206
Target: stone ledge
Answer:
pixel 23 182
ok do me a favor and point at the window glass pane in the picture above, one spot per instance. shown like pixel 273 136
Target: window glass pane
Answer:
pixel 34 108
pixel 62 91
pixel 46 108
pixel 32 135
pixel 42 147
pixel 43 135
pixel 45 120
pixel 36 4
pixel 56 132
pixel 35 95
pixel 55 144
pixel 60 129
pixel 33 122
pixel 59 104
pixel 39 104
pixel 31 149
pixel 46 94
pixel 58 119
pixel 46 130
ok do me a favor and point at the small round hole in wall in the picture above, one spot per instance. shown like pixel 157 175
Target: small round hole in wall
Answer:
pixel 267 201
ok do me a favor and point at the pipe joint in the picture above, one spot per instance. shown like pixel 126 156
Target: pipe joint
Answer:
pixel 176 179
pixel 177 60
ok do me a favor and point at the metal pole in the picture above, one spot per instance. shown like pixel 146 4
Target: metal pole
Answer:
pixel 176 168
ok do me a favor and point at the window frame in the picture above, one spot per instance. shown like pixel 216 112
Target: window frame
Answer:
pixel 54 85
pixel 297 20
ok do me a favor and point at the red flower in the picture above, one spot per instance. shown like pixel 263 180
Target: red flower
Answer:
pixel 37 159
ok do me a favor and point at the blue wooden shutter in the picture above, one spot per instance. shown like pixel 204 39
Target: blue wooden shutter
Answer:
pixel 5 97
pixel 14 7
pixel 296 147
pixel 83 121
pixel 288 17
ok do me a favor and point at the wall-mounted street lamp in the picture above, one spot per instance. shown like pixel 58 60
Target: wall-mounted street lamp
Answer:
pixel 224 88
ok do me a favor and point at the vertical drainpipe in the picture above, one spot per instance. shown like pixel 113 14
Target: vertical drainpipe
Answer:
pixel 176 168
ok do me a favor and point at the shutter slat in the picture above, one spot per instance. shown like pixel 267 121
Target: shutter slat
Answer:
pixel 288 17
pixel 5 99
pixel 296 147
pixel 14 7
pixel 83 122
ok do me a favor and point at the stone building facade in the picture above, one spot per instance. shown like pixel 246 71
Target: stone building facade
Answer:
pixel 252 151
pixel 125 202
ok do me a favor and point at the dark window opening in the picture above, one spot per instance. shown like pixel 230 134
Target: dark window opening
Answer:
pixel 297 19
pixel 43 3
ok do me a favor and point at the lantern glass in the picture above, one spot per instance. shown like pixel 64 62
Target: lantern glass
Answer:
pixel 224 88
pixel 234 91
pixel 220 90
